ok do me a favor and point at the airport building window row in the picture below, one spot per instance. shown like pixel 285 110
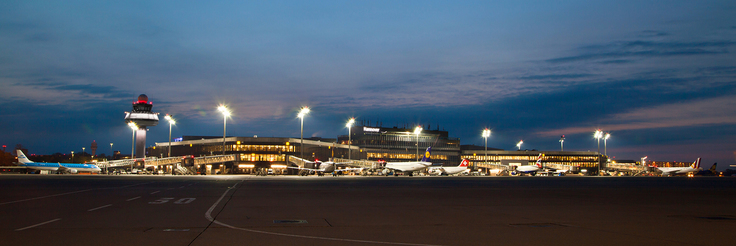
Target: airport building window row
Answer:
pixel 395 156
pixel 262 157
pixel 248 148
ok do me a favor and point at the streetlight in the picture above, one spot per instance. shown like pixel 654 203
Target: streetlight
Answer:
pixel 72 156
pixel 82 153
pixel 519 144
pixel 133 127
pixel 349 125
pixel 171 122
pixel 562 142
pixel 417 131
pixel 303 112
pixel 112 153
pixel 598 135
pixel 486 134
pixel 605 145
pixel 225 114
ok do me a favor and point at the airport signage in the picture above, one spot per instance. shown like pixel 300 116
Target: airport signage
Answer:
pixel 371 129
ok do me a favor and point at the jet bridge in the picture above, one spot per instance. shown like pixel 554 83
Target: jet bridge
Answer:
pixel 182 161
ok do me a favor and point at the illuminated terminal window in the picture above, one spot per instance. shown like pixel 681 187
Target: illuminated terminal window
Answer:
pixel 248 148
pixel 392 156
pixel 262 157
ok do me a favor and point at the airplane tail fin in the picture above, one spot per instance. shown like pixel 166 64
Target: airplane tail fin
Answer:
pixel 539 160
pixel 464 163
pixel 696 164
pixel 427 156
pixel 713 168
pixel 22 159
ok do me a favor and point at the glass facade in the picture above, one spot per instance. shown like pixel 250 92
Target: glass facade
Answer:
pixel 401 144
pixel 577 159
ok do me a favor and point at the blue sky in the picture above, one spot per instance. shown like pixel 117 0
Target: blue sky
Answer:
pixel 659 76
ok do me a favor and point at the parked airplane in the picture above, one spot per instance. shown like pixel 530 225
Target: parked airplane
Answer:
pixel 444 171
pixel 409 167
pixel 710 172
pixel 531 169
pixel 65 168
pixel 325 167
pixel 668 171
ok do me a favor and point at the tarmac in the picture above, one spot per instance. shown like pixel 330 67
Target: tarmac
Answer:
pixel 354 210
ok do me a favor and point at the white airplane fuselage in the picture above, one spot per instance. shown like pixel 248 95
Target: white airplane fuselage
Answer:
pixel 408 166
pixel 527 169
pixel 447 170
pixel 695 167
pixel 678 170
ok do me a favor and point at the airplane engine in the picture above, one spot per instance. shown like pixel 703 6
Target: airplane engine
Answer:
pixel 73 171
pixel 386 172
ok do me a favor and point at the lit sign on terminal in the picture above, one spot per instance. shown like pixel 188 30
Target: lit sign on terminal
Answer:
pixel 371 129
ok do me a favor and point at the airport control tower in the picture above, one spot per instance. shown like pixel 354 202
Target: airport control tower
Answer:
pixel 142 117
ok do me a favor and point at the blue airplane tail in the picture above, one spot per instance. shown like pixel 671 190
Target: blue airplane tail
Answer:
pixel 22 159
pixel 427 156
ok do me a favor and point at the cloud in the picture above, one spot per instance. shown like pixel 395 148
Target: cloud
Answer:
pixel 556 76
pixel 652 33
pixel 644 49
pixel 46 92
pixel 713 111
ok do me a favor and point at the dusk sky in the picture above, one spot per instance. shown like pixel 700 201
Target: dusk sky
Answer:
pixel 660 76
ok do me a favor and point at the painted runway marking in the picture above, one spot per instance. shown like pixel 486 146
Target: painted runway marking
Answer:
pixel 155 192
pixel 161 200
pixel 42 197
pixel 99 208
pixel 131 199
pixel 39 224
pixel 209 217
pixel 181 187
pixel 68 193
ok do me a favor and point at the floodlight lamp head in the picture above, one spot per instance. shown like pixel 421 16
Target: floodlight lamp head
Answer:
pixel 350 123
pixel 225 111
pixel 132 125
pixel 486 133
pixel 303 112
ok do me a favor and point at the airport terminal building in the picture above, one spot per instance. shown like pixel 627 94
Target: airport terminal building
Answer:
pixel 580 161
pixel 254 153
pixel 401 144
pixel 366 143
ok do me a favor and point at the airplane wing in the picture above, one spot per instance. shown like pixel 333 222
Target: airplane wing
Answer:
pixel 350 169
pixel 395 168
pixel 310 169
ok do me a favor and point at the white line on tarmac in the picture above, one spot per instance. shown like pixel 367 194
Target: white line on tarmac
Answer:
pixel 39 224
pixel 99 208
pixel 42 197
pixel 131 199
pixel 79 191
pixel 181 187
pixel 155 192
pixel 209 217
